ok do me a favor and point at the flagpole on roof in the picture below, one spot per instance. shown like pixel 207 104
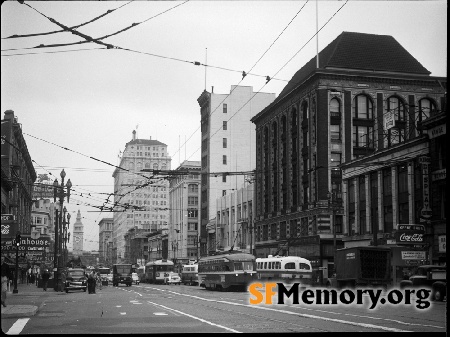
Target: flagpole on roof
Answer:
pixel 317 33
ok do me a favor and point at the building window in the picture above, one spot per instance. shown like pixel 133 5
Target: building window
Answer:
pixel 426 109
pixel 363 107
pixel 225 108
pixel 363 136
pixel 224 159
pixel 224 125
pixel 335 108
pixel 335 132
pixel 224 143
pixel 224 178
pixel 335 160
pixel 224 192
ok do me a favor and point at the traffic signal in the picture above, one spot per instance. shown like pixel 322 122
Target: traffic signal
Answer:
pixel 18 239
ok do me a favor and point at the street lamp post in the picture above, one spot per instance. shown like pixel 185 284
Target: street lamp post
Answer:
pixel 58 192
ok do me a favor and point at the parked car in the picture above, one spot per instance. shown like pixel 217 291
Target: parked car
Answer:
pixel 75 280
pixel 135 278
pixel 172 278
pixel 109 277
pixel 432 276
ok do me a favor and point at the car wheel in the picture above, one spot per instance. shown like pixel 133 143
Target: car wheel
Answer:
pixel 67 291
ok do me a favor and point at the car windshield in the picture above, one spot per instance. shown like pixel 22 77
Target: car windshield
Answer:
pixel 75 273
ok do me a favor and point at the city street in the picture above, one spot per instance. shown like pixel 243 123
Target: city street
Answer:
pixel 148 308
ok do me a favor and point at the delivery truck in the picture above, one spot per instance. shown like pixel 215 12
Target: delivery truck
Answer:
pixel 361 266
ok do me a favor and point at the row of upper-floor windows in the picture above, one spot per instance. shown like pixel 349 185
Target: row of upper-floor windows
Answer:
pixel 140 166
pixel 145 154
pixel 362 108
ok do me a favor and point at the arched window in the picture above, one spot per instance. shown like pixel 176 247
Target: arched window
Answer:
pixel 426 109
pixel 147 165
pixel 335 108
pixel 294 118
pixel 397 107
pixel 155 166
pixel 363 107
pixel 131 165
pixel 139 166
pixel 396 134
pixel 305 110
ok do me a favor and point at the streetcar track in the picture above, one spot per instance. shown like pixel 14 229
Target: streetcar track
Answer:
pixel 367 325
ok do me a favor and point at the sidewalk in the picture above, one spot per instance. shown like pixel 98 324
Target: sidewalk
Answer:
pixel 27 301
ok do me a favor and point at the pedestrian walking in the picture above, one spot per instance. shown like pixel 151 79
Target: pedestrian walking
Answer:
pixel 91 283
pixel 5 279
pixel 99 281
pixel 45 278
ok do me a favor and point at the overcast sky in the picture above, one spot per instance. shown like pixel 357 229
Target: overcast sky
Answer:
pixel 89 99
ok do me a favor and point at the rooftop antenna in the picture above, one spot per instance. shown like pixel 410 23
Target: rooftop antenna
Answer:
pixel 206 62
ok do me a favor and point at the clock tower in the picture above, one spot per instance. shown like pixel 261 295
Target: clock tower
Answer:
pixel 78 236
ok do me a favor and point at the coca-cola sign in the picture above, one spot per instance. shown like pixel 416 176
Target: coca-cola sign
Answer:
pixel 410 237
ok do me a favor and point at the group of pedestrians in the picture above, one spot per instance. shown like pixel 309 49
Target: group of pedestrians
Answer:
pixel 94 282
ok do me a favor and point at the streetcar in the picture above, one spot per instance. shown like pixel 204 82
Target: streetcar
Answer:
pixel 189 274
pixel 227 271
pixel 155 271
pixel 285 268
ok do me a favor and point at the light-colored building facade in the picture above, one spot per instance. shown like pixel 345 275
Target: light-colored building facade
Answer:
pixel 184 225
pixel 228 145
pixel 78 236
pixel 234 222
pixel 141 198
pixel 105 229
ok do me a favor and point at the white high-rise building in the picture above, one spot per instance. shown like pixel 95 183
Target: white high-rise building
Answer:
pixel 228 145
pixel 139 201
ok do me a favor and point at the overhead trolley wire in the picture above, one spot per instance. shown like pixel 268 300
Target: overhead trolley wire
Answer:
pixel 109 11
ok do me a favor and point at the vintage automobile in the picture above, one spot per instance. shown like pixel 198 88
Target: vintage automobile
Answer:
pixel 75 280
pixel 135 278
pixel 172 278
pixel 431 276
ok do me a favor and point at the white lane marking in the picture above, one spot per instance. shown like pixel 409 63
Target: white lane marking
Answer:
pixel 160 314
pixel 123 313
pixel 197 318
pixel 18 326
pixel 118 306
pixel 370 317
pixel 366 325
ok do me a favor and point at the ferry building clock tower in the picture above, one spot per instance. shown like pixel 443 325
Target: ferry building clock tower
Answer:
pixel 78 233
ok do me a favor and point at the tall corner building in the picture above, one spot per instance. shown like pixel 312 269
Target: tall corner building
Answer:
pixel 139 202
pixel 228 145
